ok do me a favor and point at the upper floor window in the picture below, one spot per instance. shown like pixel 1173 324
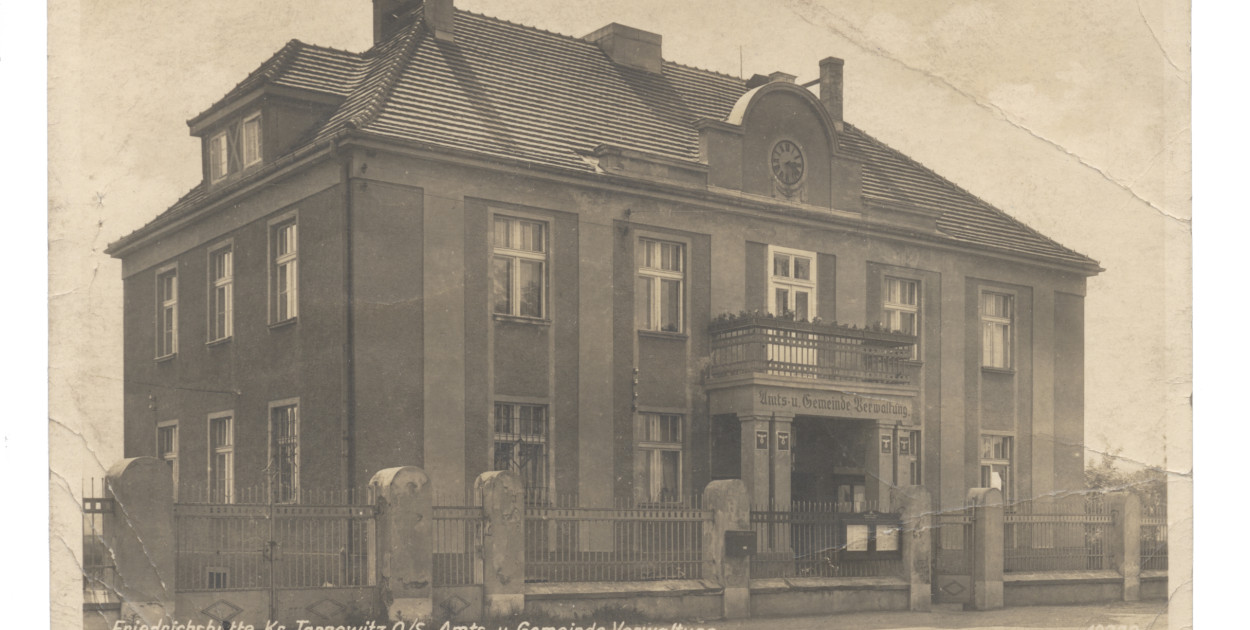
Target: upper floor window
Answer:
pixel 218 155
pixel 658 457
pixel 221 459
pixel 221 293
pixel 167 448
pixel 659 291
pixel 519 267
pixel 166 313
pixel 284 283
pixel 250 132
pixel 792 283
pixel 520 444
pixel 996 330
pixel 284 461
pixel 902 307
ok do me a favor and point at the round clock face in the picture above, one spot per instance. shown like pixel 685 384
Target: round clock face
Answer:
pixel 787 161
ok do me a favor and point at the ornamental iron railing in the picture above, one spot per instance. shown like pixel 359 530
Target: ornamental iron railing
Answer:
pixel 780 347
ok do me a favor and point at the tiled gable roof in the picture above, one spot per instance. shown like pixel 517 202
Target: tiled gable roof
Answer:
pixel 521 93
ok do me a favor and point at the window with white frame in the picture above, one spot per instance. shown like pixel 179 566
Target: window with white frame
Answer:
pixel 520 443
pixel 902 308
pixel 996 456
pixel 221 293
pixel 221 459
pixel 284 461
pixel 284 284
pixel 996 329
pixel 658 457
pixel 218 156
pixel 250 132
pixel 519 267
pixel 167 449
pixel 659 297
pixel 792 283
pixel 167 313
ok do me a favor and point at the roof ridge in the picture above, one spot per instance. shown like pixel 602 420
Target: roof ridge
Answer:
pixel 946 182
pixel 409 37
pixel 705 70
pixel 329 48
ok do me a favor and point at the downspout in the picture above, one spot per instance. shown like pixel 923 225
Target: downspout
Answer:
pixel 348 375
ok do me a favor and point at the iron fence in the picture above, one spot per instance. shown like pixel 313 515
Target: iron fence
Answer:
pixel 457 542
pixel 99 573
pixel 327 541
pixel 566 543
pixel 826 540
pixel 953 542
pixel 1065 536
pixel 1154 539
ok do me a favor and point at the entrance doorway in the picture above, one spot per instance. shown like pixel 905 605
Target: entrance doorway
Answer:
pixel 828 461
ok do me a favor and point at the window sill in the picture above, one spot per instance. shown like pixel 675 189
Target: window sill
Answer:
pixel 284 323
pixel 169 357
pixel 661 334
pixel 913 362
pixel 997 370
pixel 519 319
pixel 219 342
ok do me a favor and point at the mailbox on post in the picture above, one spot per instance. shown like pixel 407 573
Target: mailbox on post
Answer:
pixel 739 543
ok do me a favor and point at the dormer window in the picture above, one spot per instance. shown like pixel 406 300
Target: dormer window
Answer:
pixel 251 140
pixel 218 156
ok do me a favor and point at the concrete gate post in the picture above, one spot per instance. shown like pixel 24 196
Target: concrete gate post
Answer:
pixel 405 548
pixel 139 532
pixel 987 548
pixel 916 505
pixel 1124 541
pixel 730 504
pixel 501 495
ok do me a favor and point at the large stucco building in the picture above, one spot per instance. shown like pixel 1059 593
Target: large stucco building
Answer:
pixel 481 245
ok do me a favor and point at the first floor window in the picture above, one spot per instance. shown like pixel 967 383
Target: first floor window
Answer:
pixel 221 294
pixel 284 283
pixel 221 459
pixel 902 307
pixel 661 274
pixel 658 458
pixel 167 449
pixel 520 444
pixel 167 313
pixel 792 283
pixel 519 267
pixel 284 453
pixel 996 323
pixel 996 456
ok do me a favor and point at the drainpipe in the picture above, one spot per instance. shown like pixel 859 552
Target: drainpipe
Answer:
pixel 348 428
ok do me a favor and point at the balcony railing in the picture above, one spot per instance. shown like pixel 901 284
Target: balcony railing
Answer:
pixel 780 347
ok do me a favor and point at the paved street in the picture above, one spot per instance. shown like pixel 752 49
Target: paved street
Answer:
pixel 1126 616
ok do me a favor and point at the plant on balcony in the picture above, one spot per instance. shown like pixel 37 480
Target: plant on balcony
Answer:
pixel 790 321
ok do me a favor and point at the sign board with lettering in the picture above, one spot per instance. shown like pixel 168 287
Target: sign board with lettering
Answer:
pixel 764 400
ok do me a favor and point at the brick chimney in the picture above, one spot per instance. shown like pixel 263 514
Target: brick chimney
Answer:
pixel 628 46
pixel 831 87
pixel 391 16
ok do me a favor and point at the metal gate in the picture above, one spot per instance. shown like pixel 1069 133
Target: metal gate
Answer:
pixel 952 557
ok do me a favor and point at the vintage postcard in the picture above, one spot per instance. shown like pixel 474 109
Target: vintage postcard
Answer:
pixel 417 314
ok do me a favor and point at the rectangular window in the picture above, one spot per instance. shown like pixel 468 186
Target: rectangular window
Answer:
pixel 520 444
pixel 658 458
pixel 221 294
pixel 251 140
pixel 792 283
pixel 660 290
pixel 996 323
pixel 284 453
pixel 902 308
pixel 996 456
pixel 519 267
pixel 167 313
pixel 221 459
pixel 167 449
pixel 285 281
pixel 218 156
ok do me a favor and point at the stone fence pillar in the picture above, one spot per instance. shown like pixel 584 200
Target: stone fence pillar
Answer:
pixel 502 497
pixel 1124 541
pixel 916 505
pixel 987 548
pixel 139 532
pixel 405 542
pixel 730 504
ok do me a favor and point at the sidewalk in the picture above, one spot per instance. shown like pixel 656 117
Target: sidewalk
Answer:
pixel 1114 616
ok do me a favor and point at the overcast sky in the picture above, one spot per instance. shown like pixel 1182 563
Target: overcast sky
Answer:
pixel 1070 115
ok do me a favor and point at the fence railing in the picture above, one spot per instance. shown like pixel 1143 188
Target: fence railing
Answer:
pixel 235 546
pixel 457 545
pixel 763 345
pixel 1154 539
pixel 1068 536
pixel 952 542
pixel 99 573
pixel 620 544
pixel 826 540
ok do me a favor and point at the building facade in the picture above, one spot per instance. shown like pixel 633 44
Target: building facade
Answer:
pixel 479 245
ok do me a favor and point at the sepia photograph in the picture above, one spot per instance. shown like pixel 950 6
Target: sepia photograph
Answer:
pixel 468 314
